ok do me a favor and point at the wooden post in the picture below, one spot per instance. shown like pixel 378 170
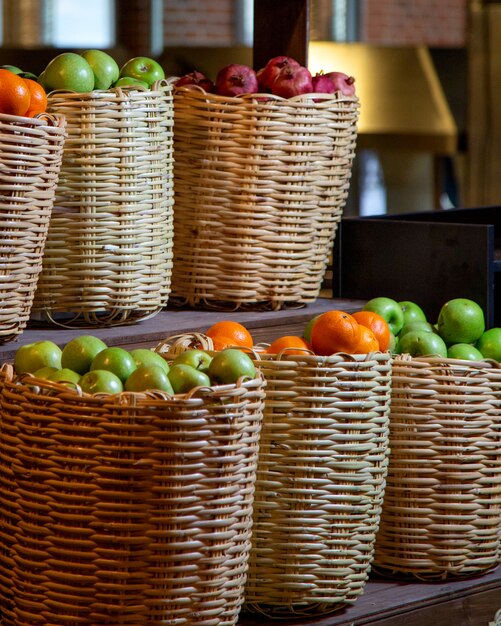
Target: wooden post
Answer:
pixel 281 27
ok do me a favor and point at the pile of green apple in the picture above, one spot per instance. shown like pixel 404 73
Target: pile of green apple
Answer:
pixel 88 362
pixel 458 333
pixel 96 69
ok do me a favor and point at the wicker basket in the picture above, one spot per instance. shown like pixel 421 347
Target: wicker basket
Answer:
pixel 108 256
pixel 125 509
pixel 320 483
pixel 442 509
pixel 30 159
pixel 260 186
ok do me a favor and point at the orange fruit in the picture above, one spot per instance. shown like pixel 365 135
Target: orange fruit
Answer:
pixel 291 344
pixel 377 324
pixel 335 331
pixel 220 342
pixel 367 341
pixel 14 94
pixel 38 98
pixel 237 333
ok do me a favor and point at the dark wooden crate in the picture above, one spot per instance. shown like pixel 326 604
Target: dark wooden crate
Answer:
pixel 427 257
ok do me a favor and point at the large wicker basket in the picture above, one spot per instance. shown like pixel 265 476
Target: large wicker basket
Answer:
pixel 30 159
pixel 260 186
pixel 320 482
pixel 108 257
pixel 442 510
pixel 128 508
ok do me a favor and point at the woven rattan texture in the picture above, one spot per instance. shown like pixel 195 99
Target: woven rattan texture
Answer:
pixel 442 509
pixel 320 484
pixel 30 160
pixel 108 256
pixel 260 186
pixel 321 476
pixel 126 509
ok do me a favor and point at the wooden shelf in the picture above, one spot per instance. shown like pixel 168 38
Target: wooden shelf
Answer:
pixel 471 602
pixel 264 326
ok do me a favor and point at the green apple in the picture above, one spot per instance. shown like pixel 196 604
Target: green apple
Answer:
pixel 489 344
pixel 127 81
pixel 460 321
pixel 100 381
pixel 149 377
pixel 116 360
pixel 33 356
pixel 464 351
pixel 416 325
pixel 104 67
pixel 79 352
pixel 143 356
pixel 199 359
pixel 68 71
pixel 64 375
pixel 308 327
pixel 183 378
pixel 422 343
pixel 12 68
pixel 389 309
pixel 45 372
pixel 29 75
pixel 143 68
pixel 230 365
pixel 392 346
pixel 412 312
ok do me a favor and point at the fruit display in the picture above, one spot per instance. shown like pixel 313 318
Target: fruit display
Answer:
pixel 20 94
pixel 88 362
pixel 25 93
pixel 281 76
pixel 96 69
pixel 459 331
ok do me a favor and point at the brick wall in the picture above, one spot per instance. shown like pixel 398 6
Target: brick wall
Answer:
pixel 199 22
pixel 437 23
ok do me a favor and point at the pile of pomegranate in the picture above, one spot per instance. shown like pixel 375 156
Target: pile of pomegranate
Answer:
pixel 282 76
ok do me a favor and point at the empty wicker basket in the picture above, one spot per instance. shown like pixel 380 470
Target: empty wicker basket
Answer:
pixel 30 159
pixel 108 257
pixel 320 482
pixel 127 508
pixel 442 510
pixel 260 186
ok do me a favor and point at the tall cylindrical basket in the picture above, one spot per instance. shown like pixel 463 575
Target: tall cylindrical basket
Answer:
pixel 442 510
pixel 260 185
pixel 133 508
pixel 108 257
pixel 30 159
pixel 323 458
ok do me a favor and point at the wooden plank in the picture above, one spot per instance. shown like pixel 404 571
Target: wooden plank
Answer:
pixel 264 325
pixel 470 602
pixel 281 27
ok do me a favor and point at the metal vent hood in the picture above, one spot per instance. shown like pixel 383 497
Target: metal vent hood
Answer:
pixel 402 103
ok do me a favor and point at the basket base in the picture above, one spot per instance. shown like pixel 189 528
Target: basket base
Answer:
pixel 227 305
pixel 431 576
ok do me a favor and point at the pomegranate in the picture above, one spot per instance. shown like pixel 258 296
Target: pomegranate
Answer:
pixel 323 84
pixel 195 78
pixel 292 81
pixel 235 80
pixel 342 82
pixel 267 74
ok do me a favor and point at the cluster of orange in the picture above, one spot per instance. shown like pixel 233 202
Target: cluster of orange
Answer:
pixel 21 96
pixel 326 334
